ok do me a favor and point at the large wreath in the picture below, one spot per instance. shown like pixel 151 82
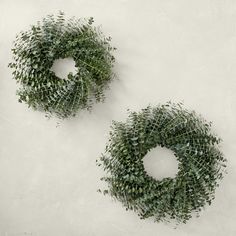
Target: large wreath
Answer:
pixel 35 51
pixel 188 136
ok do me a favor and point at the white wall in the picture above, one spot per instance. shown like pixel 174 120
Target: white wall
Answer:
pixel 179 50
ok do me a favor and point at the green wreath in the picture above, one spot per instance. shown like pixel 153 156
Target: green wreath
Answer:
pixel 188 136
pixel 35 51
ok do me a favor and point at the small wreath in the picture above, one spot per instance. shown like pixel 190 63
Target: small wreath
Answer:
pixel 35 51
pixel 188 136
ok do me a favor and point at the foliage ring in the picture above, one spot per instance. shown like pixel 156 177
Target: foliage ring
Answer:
pixel 188 135
pixel 55 37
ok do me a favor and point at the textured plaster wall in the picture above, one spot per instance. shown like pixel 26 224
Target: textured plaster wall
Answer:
pixel 179 50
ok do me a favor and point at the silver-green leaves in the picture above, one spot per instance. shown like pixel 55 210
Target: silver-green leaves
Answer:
pixel 200 163
pixel 55 37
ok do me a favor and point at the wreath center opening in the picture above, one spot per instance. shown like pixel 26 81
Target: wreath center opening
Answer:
pixel 63 67
pixel 160 163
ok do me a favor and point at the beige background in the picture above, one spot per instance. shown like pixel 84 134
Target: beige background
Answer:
pixel 179 50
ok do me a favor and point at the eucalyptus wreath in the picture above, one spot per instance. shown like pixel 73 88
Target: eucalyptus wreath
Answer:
pixel 55 37
pixel 188 135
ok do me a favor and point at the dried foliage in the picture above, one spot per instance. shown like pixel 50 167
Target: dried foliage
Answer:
pixel 188 135
pixel 55 37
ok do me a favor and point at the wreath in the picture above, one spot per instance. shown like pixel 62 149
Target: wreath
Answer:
pixel 35 51
pixel 188 135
